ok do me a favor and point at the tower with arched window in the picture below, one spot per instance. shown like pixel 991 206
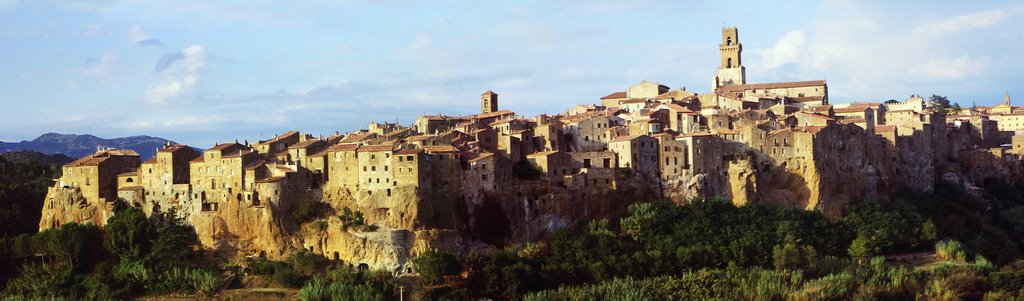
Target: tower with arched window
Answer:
pixel 730 70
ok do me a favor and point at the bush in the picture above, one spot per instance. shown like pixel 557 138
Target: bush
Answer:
pixel 128 234
pixel 308 263
pixel 523 170
pixel 434 265
pixel 951 251
pixel 307 210
pixel 286 276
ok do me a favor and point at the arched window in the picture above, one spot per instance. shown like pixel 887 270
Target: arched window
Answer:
pixel 728 41
pixel 728 63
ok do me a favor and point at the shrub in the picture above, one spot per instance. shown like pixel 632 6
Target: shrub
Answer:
pixel 307 210
pixel 128 234
pixel 951 251
pixel 315 290
pixel 434 265
pixel 285 275
pixel 308 263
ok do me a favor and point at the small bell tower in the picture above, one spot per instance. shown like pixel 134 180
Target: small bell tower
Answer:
pixel 488 102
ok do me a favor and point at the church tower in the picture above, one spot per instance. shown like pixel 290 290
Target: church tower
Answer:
pixel 1006 98
pixel 488 102
pixel 731 70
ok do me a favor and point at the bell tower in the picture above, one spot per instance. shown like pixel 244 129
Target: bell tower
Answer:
pixel 1006 98
pixel 730 70
pixel 488 102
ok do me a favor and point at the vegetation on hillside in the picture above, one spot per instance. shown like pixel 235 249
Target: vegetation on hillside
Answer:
pixel 943 245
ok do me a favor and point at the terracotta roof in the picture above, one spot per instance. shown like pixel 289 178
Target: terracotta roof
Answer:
pixel 615 95
pixel 403 131
pixel 197 160
pixel 542 154
pixel 343 147
pixel 150 161
pixel 278 138
pixel 173 148
pixel 678 108
pixel 377 148
pixel 100 156
pixel 850 110
pixel 776 132
pixel 481 157
pixel 728 131
pixel 823 108
pixel 255 164
pixel 418 138
pixel 823 117
pixel 354 137
pixel 502 121
pixel 494 114
pixel 779 85
pixel 410 151
pixel 305 144
pixel 223 146
pixel 237 154
pixel 489 92
pixel 440 148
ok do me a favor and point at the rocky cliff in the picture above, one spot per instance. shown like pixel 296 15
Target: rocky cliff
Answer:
pixel 65 205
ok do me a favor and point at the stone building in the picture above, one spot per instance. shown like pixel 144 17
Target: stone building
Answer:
pixel 639 153
pixel 96 175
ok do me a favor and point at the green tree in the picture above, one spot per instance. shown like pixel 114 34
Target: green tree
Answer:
pixel 308 210
pixel 176 244
pixel 433 265
pixel 128 234
pixel 938 103
pixel 792 256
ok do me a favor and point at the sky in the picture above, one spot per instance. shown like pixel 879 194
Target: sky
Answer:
pixel 203 72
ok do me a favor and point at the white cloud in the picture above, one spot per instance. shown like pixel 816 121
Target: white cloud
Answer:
pixel 790 49
pixel 141 38
pixel 183 78
pixel 975 20
pixel 856 46
pixel 952 69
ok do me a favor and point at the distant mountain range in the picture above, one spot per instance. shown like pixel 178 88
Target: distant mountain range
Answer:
pixel 77 146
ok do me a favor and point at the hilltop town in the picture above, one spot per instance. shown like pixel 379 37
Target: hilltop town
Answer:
pixel 489 179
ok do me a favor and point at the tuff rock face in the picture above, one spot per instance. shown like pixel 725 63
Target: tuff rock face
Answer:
pixel 63 205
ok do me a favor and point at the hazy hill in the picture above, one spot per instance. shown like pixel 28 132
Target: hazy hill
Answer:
pixel 77 146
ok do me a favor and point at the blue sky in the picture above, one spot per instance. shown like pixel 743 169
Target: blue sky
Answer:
pixel 200 72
